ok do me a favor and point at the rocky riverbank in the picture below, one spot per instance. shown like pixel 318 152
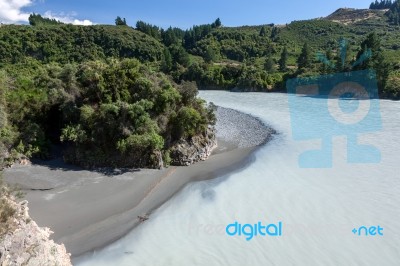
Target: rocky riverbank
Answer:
pixel 25 243
pixel 198 148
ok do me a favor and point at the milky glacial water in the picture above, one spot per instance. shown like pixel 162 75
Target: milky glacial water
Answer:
pixel 317 207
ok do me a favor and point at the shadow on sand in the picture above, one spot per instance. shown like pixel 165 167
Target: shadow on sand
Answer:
pixel 60 165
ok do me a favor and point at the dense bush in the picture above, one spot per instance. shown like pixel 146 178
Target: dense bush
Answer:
pixel 392 89
pixel 68 43
pixel 117 113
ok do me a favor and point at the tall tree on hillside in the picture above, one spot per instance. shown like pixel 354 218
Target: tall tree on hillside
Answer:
pixel 327 59
pixel 283 60
pixel 36 19
pixel 166 63
pixel 394 13
pixel 120 22
pixel 382 4
pixel 343 57
pixel 274 33
pixel 376 61
pixel 218 23
pixel 304 60
pixel 149 29
pixel 169 37
pixel 371 43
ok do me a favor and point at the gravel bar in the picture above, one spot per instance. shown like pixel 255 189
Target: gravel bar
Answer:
pixel 242 129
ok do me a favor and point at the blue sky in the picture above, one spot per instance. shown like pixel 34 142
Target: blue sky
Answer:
pixel 179 13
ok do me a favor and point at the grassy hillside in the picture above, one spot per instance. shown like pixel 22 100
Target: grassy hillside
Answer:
pixel 120 91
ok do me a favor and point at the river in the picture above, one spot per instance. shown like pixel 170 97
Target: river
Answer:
pixel 318 207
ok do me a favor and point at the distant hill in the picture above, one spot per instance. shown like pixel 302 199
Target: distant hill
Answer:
pixel 352 15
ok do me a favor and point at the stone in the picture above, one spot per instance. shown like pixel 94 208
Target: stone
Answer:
pixel 28 244
pixel 191 150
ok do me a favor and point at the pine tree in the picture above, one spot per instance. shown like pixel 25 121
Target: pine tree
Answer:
pixel 36 19
pixel 394 13
pixel 382 69
pixel 343 57
pixel 166 64
pixel 304 60
pixel 274 33
pixel 372 43
pixel 376 61
pixel 283 60
pixel 216 24
pixel 120 22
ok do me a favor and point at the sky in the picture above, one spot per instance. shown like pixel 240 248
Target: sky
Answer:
pixel 175 13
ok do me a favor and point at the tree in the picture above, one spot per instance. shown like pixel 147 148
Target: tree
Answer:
pixel 36 19
pixel 179 55
pixel 166 64
pixel 120 22
pixel 274 33
pixel 210 55
pixel 217 23
pixel 283 60
pixel 372 44
pixel 392 88
pixel 383 4
pixel 149 29
pixel 189 91
pixel 269 65
pixel 262 31
pixel 169 37
pixel 343 57
pixel 376 61
pixel 394 13
pixel 382 70
pixel 327 62
pixel 304 60
pixel 188 121
pixel 394 17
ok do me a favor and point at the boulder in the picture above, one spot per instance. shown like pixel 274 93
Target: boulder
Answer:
pixel 197 148
pixel 25 243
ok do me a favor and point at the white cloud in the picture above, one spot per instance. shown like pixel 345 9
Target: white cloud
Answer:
pixel 67 18
pixel 11 11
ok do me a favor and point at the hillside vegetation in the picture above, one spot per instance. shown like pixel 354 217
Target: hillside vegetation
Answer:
pixel 122 96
